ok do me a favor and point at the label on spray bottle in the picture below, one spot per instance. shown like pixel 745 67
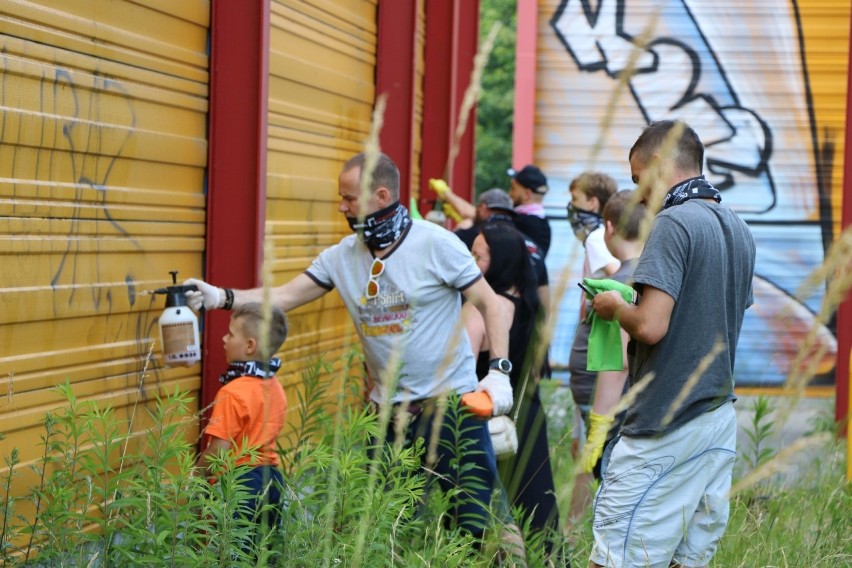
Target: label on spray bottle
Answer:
pixel 179 343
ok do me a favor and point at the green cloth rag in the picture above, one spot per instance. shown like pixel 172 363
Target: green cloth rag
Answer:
pixel 605 352
pixel 412 209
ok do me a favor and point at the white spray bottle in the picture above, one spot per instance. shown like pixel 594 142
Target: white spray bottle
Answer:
pixel 178 327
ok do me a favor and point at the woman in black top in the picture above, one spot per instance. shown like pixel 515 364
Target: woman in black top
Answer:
pixel 502 256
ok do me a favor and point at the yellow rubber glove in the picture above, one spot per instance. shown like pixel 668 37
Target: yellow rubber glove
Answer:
pixel 439 186
pixel 451 212
pixel 599 425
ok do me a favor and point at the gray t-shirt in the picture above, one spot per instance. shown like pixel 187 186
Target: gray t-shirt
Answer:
pixel 701 254
pixel 582 381
pixel 413 326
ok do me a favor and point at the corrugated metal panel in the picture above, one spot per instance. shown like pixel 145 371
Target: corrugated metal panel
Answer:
pixel 763 83
pixel 102 161
pixel 321 94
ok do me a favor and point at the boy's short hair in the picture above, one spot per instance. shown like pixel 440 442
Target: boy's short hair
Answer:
pixel 253 315
pixel 687 152
pixel 595 184
pixel 625 214
pixel 385 174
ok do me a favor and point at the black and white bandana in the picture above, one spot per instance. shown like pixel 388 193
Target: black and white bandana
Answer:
pixel 583 222
pixel 693 188
pixel 382 228
pixel 257 369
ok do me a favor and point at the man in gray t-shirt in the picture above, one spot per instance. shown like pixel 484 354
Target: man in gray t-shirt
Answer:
pixel 402 281
pixel 664 496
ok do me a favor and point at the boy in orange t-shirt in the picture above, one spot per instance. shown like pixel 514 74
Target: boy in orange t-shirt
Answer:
pixel 248 411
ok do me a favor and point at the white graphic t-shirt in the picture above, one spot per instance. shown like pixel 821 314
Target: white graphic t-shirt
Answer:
pixel 412 328
pixel 597 255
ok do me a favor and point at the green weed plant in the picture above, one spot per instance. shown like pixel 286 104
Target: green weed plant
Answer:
pixel 351 498
pixel 104 499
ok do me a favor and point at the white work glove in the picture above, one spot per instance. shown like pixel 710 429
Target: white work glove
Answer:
pixel 208 296
pixel 498 387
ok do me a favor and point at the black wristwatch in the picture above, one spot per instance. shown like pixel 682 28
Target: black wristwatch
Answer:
pixel 502 365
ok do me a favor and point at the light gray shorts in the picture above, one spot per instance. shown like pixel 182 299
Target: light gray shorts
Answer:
pixel 666 498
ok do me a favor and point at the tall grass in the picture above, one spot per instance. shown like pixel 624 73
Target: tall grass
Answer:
pixel 351 498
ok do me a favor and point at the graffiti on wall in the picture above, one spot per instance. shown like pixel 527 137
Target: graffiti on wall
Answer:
pixel 62 134
pixel 739 76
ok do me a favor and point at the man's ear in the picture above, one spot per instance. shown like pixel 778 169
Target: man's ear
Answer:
pixel 251 346
pixel 383 197
pixel 609 228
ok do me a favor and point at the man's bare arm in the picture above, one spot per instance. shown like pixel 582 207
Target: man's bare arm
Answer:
pixel 300 290
pixel 647 322
pixel 466 209
pixel 475 326
pixel 496 313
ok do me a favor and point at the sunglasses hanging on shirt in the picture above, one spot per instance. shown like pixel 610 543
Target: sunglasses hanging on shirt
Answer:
pixel 376 270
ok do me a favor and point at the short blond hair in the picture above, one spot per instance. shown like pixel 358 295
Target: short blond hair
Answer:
pixel 595 184
pixel 252 315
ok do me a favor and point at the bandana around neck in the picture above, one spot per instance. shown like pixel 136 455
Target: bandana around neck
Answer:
pixel 583 222
pixel 534 209
pixel 257 369
pixel 382 228
pixel 693 188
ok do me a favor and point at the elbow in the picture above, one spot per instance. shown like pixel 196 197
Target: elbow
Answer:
pixel 650 334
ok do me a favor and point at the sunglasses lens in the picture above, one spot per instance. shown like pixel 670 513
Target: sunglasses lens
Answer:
pixel 377 268
pixel 372 289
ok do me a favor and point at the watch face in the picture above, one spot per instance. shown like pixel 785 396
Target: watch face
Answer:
pixel 502 365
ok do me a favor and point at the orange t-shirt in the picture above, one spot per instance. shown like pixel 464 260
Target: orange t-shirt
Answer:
pixel 249 412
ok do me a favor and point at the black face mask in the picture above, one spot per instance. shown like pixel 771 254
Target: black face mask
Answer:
pixel 583 222
pixel 693 188
pixel 382 228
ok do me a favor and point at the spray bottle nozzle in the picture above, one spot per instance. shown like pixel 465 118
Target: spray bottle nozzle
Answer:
pixel 175 295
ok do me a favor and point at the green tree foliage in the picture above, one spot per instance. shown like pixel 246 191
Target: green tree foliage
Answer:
pixel 497 99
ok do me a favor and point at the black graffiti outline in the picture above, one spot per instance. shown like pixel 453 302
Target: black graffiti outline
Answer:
pixel 145 323
pixel 822 148
pixel 716 166
pixel 78 158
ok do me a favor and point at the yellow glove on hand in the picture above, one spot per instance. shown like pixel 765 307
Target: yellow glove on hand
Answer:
pixel 599 425
pixel 439 186
pixel 451 212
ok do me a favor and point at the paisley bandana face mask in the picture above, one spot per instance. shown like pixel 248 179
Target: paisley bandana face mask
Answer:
pixel 693 188
pixel 382 228
pixel 583 222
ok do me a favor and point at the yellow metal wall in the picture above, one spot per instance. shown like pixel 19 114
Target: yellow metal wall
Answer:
pixel 102 160
pixel 321 93
pixel 763 83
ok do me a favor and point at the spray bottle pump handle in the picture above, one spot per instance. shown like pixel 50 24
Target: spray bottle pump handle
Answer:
pixel 174 274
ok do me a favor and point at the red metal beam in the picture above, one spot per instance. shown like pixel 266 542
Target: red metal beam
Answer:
pixel 452 37
pixel 523 139
pixel 465 44
pixel 236 184
pixel 396 73
pixel 437 107
pixel 844 313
